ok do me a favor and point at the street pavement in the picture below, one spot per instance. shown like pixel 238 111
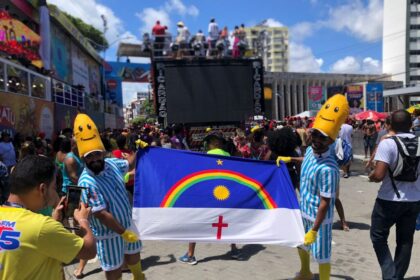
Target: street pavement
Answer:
pixel 352 254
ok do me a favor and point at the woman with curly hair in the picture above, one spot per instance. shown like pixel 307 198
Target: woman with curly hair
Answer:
pixel 284 143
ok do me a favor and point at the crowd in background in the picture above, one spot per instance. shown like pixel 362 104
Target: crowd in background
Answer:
pixel 216 44
pixel 262 140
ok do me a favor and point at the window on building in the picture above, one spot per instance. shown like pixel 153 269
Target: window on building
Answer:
pixel 38 86
pixel 415 26
pixel 278 40
pixel 68 95
pixel 58 92
pixel 415 78
pixel 17 80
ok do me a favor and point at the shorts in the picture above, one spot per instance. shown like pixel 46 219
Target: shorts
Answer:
pixel 111 251
pixel 369 141
pixel 321 248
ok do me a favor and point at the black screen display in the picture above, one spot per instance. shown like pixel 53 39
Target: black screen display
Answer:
pixel 209 93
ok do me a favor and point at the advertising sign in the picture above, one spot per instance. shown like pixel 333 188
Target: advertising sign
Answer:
pixel 94 78
pixel 331 91
pixel 374 97
pixel 355 98
pixel 64 116
pixel 18 39
pixel 60 55
pixel 316 98
pixel 80 68
pixel 26 115
pixel 118 72
pixel 131 72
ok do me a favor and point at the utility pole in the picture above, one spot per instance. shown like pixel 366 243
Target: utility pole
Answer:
pixel 104 87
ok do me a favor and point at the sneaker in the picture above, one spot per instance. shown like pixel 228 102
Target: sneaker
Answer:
pixel 187 259
pixel 346 175
pixel 235 254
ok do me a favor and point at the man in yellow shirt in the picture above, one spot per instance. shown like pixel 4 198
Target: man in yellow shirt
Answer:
pixel 33 246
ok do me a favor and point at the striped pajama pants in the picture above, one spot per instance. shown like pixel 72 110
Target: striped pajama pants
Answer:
pixel 111 251
pixel 321 248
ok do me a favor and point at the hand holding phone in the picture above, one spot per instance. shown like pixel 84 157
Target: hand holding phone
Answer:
pixel 82 213
pixel 57 213
pixel 72 200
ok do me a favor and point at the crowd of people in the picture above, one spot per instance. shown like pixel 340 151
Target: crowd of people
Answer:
pixel 215 44
pixel 35 172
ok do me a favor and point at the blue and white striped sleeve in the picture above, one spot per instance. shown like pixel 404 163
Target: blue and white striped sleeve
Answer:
pixel 92 196
pixel 121 164
pixel 328 182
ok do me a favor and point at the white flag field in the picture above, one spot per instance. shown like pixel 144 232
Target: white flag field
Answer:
pixel 187 196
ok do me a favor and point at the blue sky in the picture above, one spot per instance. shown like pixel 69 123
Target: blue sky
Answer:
pixel 324 35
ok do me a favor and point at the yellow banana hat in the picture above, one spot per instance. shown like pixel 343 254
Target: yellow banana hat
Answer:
pixel 332 116
pixel 87 135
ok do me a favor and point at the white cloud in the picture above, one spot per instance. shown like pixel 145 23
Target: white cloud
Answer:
pixel 372 66
pixel 302 30
pixel 90 12
pixel 363 22
pixel 360 20
pixel 180 8
pixel 349 64
pixel 270 22
pixel 353 65
pixel 149 16
pixel 303 60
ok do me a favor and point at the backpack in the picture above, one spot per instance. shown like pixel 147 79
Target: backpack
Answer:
pixel 407 161
pixel 343 152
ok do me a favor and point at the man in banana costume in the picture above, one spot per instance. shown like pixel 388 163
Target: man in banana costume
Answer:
pixel 103 180
pixel 319 181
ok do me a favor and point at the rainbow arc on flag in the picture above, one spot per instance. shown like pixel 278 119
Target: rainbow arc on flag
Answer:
pixel 181 195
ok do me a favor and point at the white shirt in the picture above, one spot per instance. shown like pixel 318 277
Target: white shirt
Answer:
pixel 7 153
pixel 388 152
pixel 213 31
pixel 416 122
pixel 183 34
pixel 346 133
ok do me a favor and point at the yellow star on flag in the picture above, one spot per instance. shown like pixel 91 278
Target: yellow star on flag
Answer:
pixel 219 162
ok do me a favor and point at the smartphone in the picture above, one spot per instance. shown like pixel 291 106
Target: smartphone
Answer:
pixel 72 200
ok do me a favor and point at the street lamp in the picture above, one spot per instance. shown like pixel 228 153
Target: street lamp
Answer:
pixel 104 59
pixel 109 45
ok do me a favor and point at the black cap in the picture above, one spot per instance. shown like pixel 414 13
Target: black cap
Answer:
pixel 215 134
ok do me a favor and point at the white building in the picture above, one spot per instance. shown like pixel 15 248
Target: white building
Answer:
pixel 290 90
pixel 272 43
pixel 401 40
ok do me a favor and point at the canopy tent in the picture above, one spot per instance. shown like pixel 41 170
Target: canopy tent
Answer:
pixel 370 115
pixel 308 114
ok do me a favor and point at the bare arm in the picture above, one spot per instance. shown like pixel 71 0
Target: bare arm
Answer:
pixel 88 250
pixel 70 165
pixel 378 174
